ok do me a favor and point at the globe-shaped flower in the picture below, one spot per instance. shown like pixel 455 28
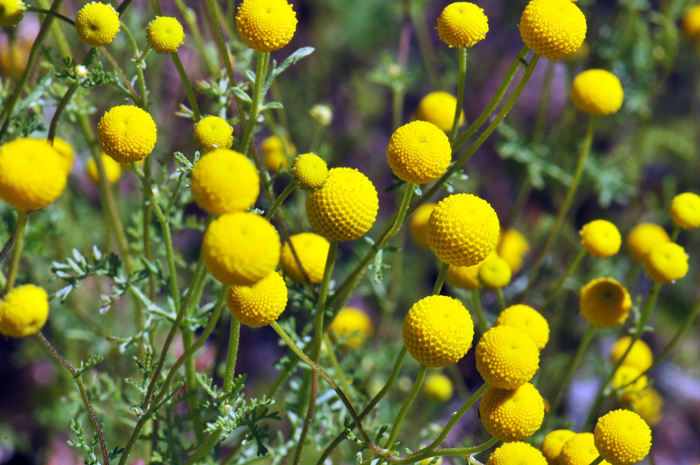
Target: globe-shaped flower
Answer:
pixel 437 387
pixel 11 12
pixel 97 24
pixel 312 251
pixel 439 109
pixel 419 152
pixel 512 414
pixel 622 437
pixel 165 34
pixel 65 150
pixel 553 29
pixel 310 171
pixel 507 357
pixel 418 225
pixel 665 263
pixel 601 238
pixel 24 311
pixel 685 210
pixel 597 92
pixel 639 356
pixel 605 303
pixel 462 24
pixel 690 22
pixel 553 443
pixel 643 237
pixel 631 383
pixel 266 25
pixel 464 277
pixel 494 272
pixel 127 133
pixel 529 320
pixel 113 170
pixel 352 325
pixel 259 304
pixel 579 450
pixel 649 405
pixel 516 453
pixel 512 247
pixel 276 153
pixel 213 133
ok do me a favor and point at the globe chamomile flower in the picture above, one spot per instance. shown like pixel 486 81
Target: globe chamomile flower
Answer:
pixel 605 303
pixel 494 272
pixel 529 320
pixel 276 153
pixel 65 150
pixel 512 414
pixel 165 34
pixel 666 262
pixel 322 114
pixel 437 388
pixel 113 170
pixel 464 277
pixel 418 226
pixel 553 443
pixel 643 237
pixel 438 331
pixel 23 311
pixel 579 450
pixel 601 238
pixel 11 12
pixel 462 24
pixel 625 375
pixel 597 92
pixel 312 251
pixel 353 326
pixel 690 22
pixel 622 437
pixel 259 304
pixel 266 25
pixel 507 357
pixel 310 171
pixel 685 210
pixel 439 109
pixel 419 152
pixel 512 247
pixel 516 453
pixel 127 133
pixel 553 29
pixel 649 405
pixel 212 133
pixel 97 24
pixel 640 356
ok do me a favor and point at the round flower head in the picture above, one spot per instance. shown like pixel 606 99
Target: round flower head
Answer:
pixel 439 108
pixel 310 171
pixel 277 153
pixel 512 247
pixel 462 24
pixel 113 170
pixel 529 320
pixel 127 133
pixel 165 34
pixel 212 133
pixel 650 406
pixel 419 152
pixel 418 226
pixel 353 325
pixel 11 12
pixel 691 23
pixel 553 29
pixel 494 272
pixel 623 377
pixel 32 174
pixel 241 248
pixel 665 263
pixel 685 210
pixel 597 92
pixel 507 357
pixel 553 443
pixel 345 207
pixel 24 311
pixel 516 453
pixel 464 277
pixel 512 414
pixel 601 238
pixel 463 230
pixel 640 355
pixel 643 237
pixel 312 251
pixel 97 24
pixel 266 25
pixel 622 437
pixel 224 181
pixel 437 387
pixel 259 304
pixel 579 450
pixel 605 303
pixel 438 331
pixel 65 150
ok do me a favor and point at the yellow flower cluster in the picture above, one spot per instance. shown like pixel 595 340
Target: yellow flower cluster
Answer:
pixel 24 311
pixel 312 251
pixel 529 320
pixel 553 443
pixel 97 24
pixel 601 238
pixel 553 29
pixel 512 414
pixel 605 303
pixel 597 92
pixel 310 171
pixel 113 170
pixel 462 24
pixel 507 357
pixel 438 387
pixel 213 133
pixel 259 304
pixel 439 109
pixel 622 437
pixel 266 25
pixel 352 325
pixel 516 453
pixel 11 12
pixel 277 153
pixel 127 133
pixel 165 34
pixel 419 152
pixel 579 450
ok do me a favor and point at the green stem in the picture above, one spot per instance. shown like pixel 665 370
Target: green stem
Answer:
pixel 675 233
pixel 138 57
pixel 190 18
pixel 334 362
pixel 232 355
pixel 205 447
pixel 20 228
pixel 191 383
pixel 479 309
pixel 543 105
pixel 460 92
pixel 441 278
pixel 420 377
pixel 558 397
pixel 425 45
pixel 501 298
pixel 285 193
pixel 55 14
pixel 597 461
pixel 59 109
pixel 450 452
pixel 188 86
pixel 258 97
pixel 223 49
pixel 562 281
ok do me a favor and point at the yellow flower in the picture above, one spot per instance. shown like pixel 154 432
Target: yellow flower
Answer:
pixel 312 251
pixel 639 357
pixel 605 303
pixel 212 133
pixel 438 331
pixel 601 238
pixel 494 272
pixel 438 387
pixel 165 34
pixel 665 263
pixel 512 414
pixel 553 29
pixel 507 357
pixel 625 375
pixel 553 443
pixel 32 174
pixel 241 248
pixel 691 23
pixel 65 150
pixel 418 226
pixel 419 152
pixel 266 25
pixel 11 12
pixel 464 277
pixel 529 320
pixel 439 108
pixel 463 230
pixel 310 171
pixel 649 406
pixel 97 24
pixel 512 247
pixel 579 450
pixel 516 453
pixel 127 133
pixel 685 210
pixel 353 325
pixel 24 311
pixel 113 170
pixel 224 181
pixel 345 207
pixel 622 437
pixel 276 153
pixel 259 304
pixel 462 24
pixel 643 237
pixel 597 92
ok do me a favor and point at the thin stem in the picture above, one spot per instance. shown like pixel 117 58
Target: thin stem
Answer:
pixel 55 14
pixel 190 18
pixel 188 86
pixel 258 97
pixel 562 281
pixel 59 109
pixel 479 309
pixel 425 45
pixel 18 234
pixel 285 193
pixel 453 452
pixel 501 298
pixel 420 377
pixel 675 233
pixel 209 443
pixel 585 342
pixel 544 104
pixel 138 57
pixel 232 355
pixel 597 461
pixel 132 92
pixel 460 92
pixel 441 278
pixel 191 384
pixel 334 362
pixel 223 49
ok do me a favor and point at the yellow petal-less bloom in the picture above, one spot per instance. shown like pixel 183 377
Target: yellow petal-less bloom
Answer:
pixel 622 437
pixel 113 170
pixel 312 251
pixel 213 133
pixel 127 133
pixel 65 150
pixel 310 171
pixel 463 230
pixel 165 34
pixel 597 92
pixel 418 225
pixel 624 376
pixel 643 237
pixel 601 238
pixel 24 311
pixel 690 22
pixel 512 247
pixel 353 325
pixel 494 272
pixel 512 414
pixel 640 355
pixel 345 207
pixel 97 24
pixel 464 277
pixel 259 304
pixel 32 174
pixel 224 181
pixel 516 453
pixel 438 387
pixel 462 24
pixel 439 108
pixel 507 357
pixel 11 12
pixel 438 331
pixel 266 25
pixel 605 303
pixel 579 450
pixel 529 320
pixel 650 406
pixel 241 248
pixel 277 153
pixel 553 29
pixel 553 443
pixel 665 263
pixel 419 152
pixel 685 210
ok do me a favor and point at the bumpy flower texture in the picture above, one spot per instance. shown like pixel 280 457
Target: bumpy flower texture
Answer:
pixel 312 251
pixel 553 29
pixel 266 25
pixel 553 443
pixel 605 303
pixel 597 92
pixel 113 170
pixel 579 450
pixel 665 263
pixel 419 152
pixel 601 238
pixel 259 304
pixel 529 320
pixel 506 357
pixel 439 108
pixel 512 414
pixel 127 133
pixel 310 171
pixel 685 210
pixel 516 453
pixel 24 311
pixel 622 437
pixel 418 226
pixel 353 325
pixel 643 237
pixel 97 24
pixel 213 133
pixel 165 34
pixel 462 24
pixel 11 12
